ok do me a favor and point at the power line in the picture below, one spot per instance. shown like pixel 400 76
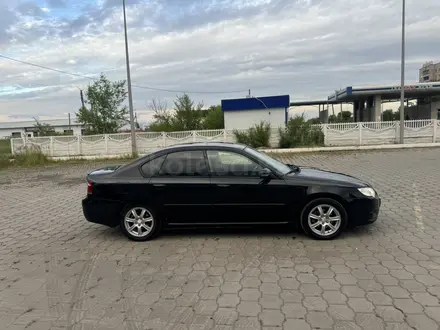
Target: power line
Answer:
pixel 187 92
pixel 46 68
pixel 137 86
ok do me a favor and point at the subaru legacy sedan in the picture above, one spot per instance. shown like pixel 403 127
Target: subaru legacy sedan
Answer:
pixel 224 184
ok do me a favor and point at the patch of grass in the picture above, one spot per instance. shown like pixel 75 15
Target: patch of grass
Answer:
pixel 31 158
pixel 5 146
pixel 28 158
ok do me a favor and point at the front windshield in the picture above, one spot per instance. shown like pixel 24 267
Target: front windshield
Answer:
pixel 282 168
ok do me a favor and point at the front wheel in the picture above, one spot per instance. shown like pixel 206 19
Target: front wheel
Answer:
pixel 323 218
pixel 139 223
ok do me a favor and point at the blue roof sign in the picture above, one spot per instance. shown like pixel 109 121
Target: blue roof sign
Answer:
pixel 256 103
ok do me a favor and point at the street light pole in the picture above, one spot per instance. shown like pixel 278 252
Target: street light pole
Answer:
pixel 130 96
pixel 402 81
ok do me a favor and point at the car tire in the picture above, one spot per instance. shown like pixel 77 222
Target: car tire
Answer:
pixel 323 213
pixel 143 226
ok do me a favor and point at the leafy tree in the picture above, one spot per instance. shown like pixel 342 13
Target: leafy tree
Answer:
pixel 43 129
pixel 257 136
pixel 187 115
pixel 162 117
pixel 341 117
pixel 214 118
pixel 314 121
pixel 345 116
pixel 390 115
pixel 332 119
pixel 300 133
pixel 105 113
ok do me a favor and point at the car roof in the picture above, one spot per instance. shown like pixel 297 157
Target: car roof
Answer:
pixel 184 146
pixel 196 145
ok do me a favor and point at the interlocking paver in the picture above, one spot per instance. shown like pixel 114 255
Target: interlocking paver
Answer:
pixel 57 271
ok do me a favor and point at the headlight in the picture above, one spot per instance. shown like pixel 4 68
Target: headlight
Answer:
pixel 367 191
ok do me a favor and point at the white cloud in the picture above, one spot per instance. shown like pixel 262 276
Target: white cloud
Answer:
pixel 303 48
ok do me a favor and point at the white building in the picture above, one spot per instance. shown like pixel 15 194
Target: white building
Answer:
pixel 27 128
pixel 247 112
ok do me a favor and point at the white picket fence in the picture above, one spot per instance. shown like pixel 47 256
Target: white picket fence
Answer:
pixel 340 134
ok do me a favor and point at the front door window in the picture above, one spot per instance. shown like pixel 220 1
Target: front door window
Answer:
pixel 226 163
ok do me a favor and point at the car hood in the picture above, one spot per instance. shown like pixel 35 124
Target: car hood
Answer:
pixel 104 170
pixel 317 175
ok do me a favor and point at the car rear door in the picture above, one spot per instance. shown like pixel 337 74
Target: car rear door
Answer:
pixel 241 196
pixel 183 188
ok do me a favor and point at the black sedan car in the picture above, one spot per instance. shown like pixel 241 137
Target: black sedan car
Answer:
pixel 224 184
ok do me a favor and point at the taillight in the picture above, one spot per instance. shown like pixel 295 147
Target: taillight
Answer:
pixel 89 188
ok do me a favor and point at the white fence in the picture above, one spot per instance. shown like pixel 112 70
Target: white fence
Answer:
pixel 381 132
pixel 340 134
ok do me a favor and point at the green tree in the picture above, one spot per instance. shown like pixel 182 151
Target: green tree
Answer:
pixel 341 117
pixel 43 129
pixel 187 115
pixel 162 118
pixel 390 115
pixel 256 136
pixel 344 116
pixel 105 112
pixel 214 118
pixel 314 121
pixel 300 133
pixel 332 119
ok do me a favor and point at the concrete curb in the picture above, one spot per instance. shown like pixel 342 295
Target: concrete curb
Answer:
pixel 354 148
pixel 285 151
pixel 96 157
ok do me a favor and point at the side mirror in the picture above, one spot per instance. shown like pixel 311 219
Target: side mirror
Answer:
pixel 265 173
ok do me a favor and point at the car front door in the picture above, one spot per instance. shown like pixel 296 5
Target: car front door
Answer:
pixel 183 188
pixel 241 195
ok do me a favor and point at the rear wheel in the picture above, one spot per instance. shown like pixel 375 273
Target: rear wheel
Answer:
pixel 323 218
pixel 139 223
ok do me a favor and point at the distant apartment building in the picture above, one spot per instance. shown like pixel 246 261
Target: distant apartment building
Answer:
pixel 429 72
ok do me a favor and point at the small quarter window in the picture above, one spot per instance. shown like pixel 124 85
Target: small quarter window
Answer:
pixel 152 168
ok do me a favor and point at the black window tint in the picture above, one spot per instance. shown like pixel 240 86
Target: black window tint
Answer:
pixel 184 163
pixel 226 163
pixel 152 167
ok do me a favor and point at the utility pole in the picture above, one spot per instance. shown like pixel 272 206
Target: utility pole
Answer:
pixel 130 96
pixel 81 96
pixel 402 81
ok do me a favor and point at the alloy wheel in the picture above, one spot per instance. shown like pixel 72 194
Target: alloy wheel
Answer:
pixel 138 222
pixel 324 220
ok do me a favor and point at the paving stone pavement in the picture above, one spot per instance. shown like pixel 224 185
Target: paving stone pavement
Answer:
pixel 57 271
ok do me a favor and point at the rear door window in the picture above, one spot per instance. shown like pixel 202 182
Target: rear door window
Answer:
pixel 185 163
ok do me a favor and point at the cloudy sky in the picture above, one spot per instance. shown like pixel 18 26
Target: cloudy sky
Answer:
pixel 213 49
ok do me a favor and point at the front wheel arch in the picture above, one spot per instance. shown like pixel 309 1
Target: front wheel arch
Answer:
pixel 336 197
